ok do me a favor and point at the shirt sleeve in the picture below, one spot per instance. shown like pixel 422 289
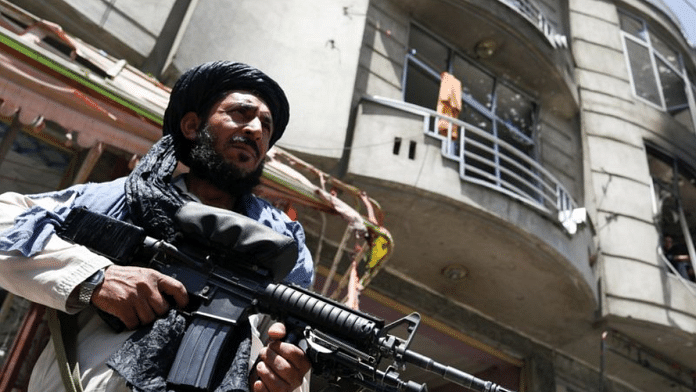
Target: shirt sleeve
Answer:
pixel 56 267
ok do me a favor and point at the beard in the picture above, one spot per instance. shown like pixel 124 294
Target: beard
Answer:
pixel 208 164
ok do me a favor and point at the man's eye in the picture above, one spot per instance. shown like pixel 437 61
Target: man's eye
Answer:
pixel 236 114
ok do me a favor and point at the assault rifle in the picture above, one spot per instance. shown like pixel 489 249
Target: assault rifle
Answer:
pixel 231 266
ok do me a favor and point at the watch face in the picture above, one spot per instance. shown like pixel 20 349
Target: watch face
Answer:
pixel 95 278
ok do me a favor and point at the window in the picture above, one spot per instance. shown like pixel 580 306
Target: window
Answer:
pixel 490 103
pixel 34 164
pixel 674 186
pixel 657 70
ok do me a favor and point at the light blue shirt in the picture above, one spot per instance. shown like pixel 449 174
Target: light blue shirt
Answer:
pixel 33 228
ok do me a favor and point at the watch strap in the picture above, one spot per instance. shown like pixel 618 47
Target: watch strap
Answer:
pixel 87 287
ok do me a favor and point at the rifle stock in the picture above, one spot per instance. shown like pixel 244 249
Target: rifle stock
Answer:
pixel 227 285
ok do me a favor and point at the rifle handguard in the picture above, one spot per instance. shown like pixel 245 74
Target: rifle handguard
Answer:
pixel 322 313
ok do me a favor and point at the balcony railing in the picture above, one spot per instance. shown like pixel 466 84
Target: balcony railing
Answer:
pixel 531 11
pixel 489 161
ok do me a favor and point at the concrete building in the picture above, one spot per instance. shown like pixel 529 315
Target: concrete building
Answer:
pixel 529 228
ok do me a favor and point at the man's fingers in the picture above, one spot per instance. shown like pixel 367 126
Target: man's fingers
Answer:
pixel 272 360
pixel 158 303
pixel 286 361
pixel 137 295
pixel 145 313
pixel 282 365
pixel 129 319
pixel 271 379
pixel 280 354
pixel 276 331
pixel 259 387
pixel 173 288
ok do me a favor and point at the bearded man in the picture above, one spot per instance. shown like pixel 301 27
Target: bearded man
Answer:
pixel 221 120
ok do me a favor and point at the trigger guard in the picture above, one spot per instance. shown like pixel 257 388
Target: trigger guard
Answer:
pixel 312 341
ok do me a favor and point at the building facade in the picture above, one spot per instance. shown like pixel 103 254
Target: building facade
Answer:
pixel 529 225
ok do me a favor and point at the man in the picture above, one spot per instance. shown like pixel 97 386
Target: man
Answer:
pixel 679 258
pixel 221 120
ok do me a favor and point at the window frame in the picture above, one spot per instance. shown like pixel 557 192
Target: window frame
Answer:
pixel 64 177
pixel 647 42
pixel 491 113
pixel 683 175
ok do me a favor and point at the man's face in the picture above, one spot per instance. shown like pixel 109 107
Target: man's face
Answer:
pixel 241 126
pixel 229 149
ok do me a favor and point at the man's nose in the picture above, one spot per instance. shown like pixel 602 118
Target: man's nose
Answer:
pixel 254 127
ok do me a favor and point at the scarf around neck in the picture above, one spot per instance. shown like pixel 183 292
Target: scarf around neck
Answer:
pixel 145 358
pixel 151 197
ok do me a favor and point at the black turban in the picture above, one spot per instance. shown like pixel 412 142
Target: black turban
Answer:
pixel 199 88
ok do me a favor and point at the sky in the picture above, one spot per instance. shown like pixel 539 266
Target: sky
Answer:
pixel 686 12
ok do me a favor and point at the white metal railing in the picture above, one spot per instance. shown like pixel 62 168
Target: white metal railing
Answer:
pixel 489 161
pixel 689 286
pixel 531 11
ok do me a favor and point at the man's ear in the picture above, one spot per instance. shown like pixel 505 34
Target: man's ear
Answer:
pixel 189 125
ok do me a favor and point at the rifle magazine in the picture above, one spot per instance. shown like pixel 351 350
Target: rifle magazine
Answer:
pixel 199 353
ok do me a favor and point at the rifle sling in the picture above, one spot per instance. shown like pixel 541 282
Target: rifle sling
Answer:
pixel 63 329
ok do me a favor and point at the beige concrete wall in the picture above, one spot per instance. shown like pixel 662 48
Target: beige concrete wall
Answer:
pixel 310 47
pixel 126 28
pixel 383 51
pixel 616 126
pixel 560 151
pixel 135 23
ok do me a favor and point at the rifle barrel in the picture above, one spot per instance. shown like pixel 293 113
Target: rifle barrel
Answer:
pixel 451 374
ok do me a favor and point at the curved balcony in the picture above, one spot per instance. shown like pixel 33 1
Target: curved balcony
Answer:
pixel 487 160
pixel 478 222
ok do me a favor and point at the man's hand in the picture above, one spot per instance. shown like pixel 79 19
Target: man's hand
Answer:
pixel 137 295
pixel 282 365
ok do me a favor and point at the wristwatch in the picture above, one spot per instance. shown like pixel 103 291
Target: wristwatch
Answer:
pixel 87 288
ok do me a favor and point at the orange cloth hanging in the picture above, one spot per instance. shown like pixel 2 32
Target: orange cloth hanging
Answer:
pixel 449 102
